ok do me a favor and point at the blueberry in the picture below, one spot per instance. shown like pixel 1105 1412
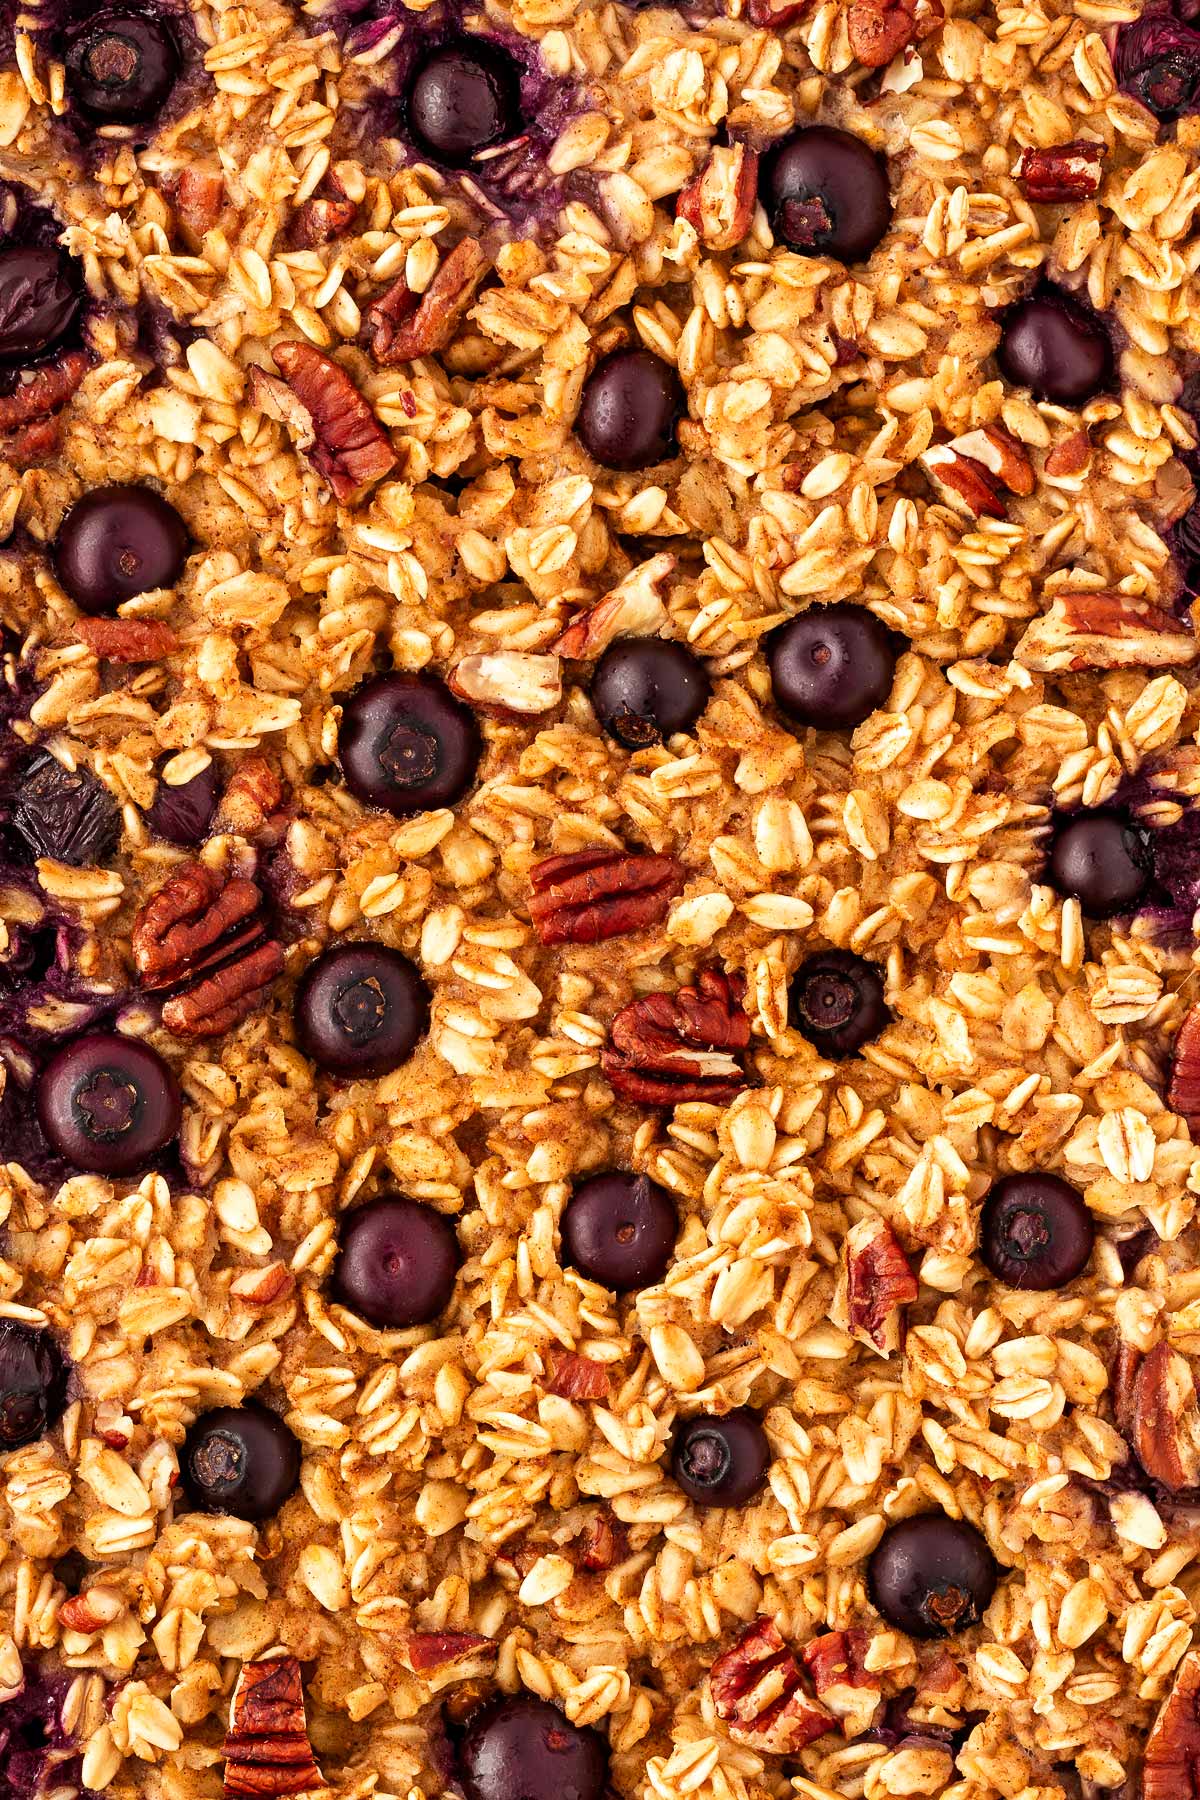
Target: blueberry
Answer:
pixel 108 1104
pixel 1157 61
pixel 646 689
pixel 396 1262
pixel 1035 1232
pixel 721 1462
pixel 631 404
pixel 121 65
pixel 826 194
pixel 65 814
pixel 241 1460
pixel 117 542
pixel 407 744
pixel 1101 860
pixel 40 296
pixel 1052 344
pixel 523 1748
pixel 360 1010
pixel 33 1384
pixel 463 97
pixel 831 666
pixel 931 1576
pixel 183 814
pixel 620 1230
pixel 36 1754
pixel 837 1003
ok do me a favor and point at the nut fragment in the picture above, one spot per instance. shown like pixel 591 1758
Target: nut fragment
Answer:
pixel 199 199
pixel 328 417
pixel 970 471
pixel 1173 1746
pixel 1183 1094
pixel 720 200
pixel 836 1662
pixel 1166 1419
pixel 266 1749
pixel 634 608
pixel 509 681
pixel 252 798
pixel 769 16
pixel 43 391
pixel 880 29
pixel 1063 172
pixel 590 895
pixel 404 325
pixel 603 1544
pixel 758 1690
pixel 1104 631
pixel 434 1649
pixel 321 219
pixel 667 1048
pixel 223 999
pixel 879 1283
pixel 575 1377
pixel 127 640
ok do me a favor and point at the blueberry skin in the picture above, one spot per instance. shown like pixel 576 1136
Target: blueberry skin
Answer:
pixel 65 814
pixel 836 1001
pixel 931 1576
pixel 396 1262
pixel 1054 346
pixel 242 1460
pixel 406 744
pixel 117 542
pixel 1035 1232
pixel 644 690
pixel 121 65
pixel 631 404
pixel 40 296
pixel 1099 859
pixel 360 1010
pixel 832 666
pixel 183 814
pixel 108 1104
pixel 33 1384
pixel 619 1229
pixel 721 1461
pixel 1157 61
pixel 826 194
pixel 463 97
pixel 523 1748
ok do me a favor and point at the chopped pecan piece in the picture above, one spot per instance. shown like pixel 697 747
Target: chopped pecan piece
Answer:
pixel 1122 1386
pixel 771 17
pixel 970 471
pixel 91 1611
pixel 602 1545
pixel 199 199
pixel 204 937
pixel 758 1690
pixel 434 1649
pixel 634 608
pixel 328 417
pixel 1166 1419
pixel 667 1048
pixel 322 219
pixel 1104 631
pixel 509 682
pixel 266 1750
pixel 595 894
pixel 720 200
pixel 252 797
pixel 44 391
pixel 1169 1771
pixel 880 29
pixel 1071 456
pixel 404 325
pixel 1064 172
pixel 879 1283
pixel 127 640
pixel 575 1377
pixel 1183 1094
pixel 34 442
pixel 836 1662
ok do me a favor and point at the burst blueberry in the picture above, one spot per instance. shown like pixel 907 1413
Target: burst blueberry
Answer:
pixel 931 1575
pixel 721 1461
pixel 1157 62
pixel 644 690
pixel 40 297
pixel 629 410
pixel 108 1104
pixel 183 814
pixel 242 1460
pixel 65 814
pixel 33 1384
pixel 1035 1232
pixel 396 1262
pixel 406 744
pixel 826 194
pixel 836 1001
pixel 463 97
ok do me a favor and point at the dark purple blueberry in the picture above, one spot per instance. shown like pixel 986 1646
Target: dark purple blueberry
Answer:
pixel 463 97
pixel 646 689
pixel 523 1748
pixel 117 542
pixel 620 1230
pixel 40 295
pixel 836 1000
pixel 65 814
pixel 241 1460
pixel 360 1010
pixel 1035 1232
pixel 407 744
pixel 1055 346
pixel 826 194
pixel 1101 860
pixel 396 1262
pixel 931 1576
pixel 721 1462
pixel 33 1384
pixel 632 402
pixel 183 814
pixel 121 65
pixel 37 1756
pixel 108 1104
pixel 1157 61
pixel 831 666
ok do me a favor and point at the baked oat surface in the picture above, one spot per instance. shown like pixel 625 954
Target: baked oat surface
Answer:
pixel 486 1500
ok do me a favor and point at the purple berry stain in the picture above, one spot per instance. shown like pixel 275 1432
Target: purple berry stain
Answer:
pixel 37 1755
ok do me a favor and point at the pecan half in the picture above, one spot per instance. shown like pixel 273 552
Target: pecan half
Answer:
pixel 253 796
pixel 1064 172
pixel 127 640
pixel 880 29
pixel 758 1690
pixel 320 220
pixel 1169 1771
pixel 1183 1094
pixel 836 1663
pixel 44 391
pixel 879 1283
pixel 1104 631
pixel 327 416
pixel 634 608
pixel 509 682
pixel 720 200
pixel 1166 1419
pixel 595 894
pixel 575 1377
pixel 227 996
pixel 266 1750
pixel 434 1649
pixel 204 937
pixel 667 1048
pixel 404 325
